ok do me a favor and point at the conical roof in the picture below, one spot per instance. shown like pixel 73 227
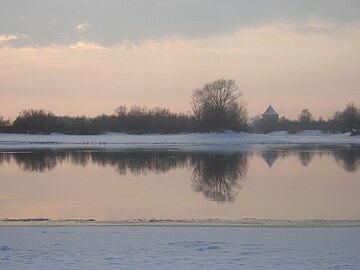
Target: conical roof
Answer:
pixel 270 110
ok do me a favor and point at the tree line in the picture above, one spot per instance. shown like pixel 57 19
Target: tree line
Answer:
pixel 136 120
pixel 217 106
pixel 347 120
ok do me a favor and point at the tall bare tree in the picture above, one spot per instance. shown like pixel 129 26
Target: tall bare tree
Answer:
pixel 217 106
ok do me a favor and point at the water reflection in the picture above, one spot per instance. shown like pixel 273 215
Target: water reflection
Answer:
pixel 347 157
pixel 135 162
pixel 141 162
pixel 306 157
pixel 217 176
pixel 161 161
pixel 270 157
pixel 349 160
pixel 38 161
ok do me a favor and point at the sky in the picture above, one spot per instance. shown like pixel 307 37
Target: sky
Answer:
pixel 87 57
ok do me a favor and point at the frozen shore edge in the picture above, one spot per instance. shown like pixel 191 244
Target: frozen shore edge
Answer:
pixel 246 222
pixel 188 141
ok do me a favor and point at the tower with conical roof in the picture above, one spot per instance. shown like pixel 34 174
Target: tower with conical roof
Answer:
pixel 270 113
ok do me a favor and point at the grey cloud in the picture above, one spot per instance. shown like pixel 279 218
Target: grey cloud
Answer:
pixel 113 21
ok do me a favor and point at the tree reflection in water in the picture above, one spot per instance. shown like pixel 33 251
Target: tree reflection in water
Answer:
pixel 141 162
pixel 217 176
pixel 306 157
pixel 5 158
pixel 348 159
pixel 37 161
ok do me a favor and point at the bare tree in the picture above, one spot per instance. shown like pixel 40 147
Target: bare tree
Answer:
pixel 351 116
pixel 217 106
pixel 348 119
pixel 4 124
pixel 121 111
pixel 306 120
pixel 305 116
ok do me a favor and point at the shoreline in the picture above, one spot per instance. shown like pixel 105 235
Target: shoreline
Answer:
pixel 191 141
pixel 246 222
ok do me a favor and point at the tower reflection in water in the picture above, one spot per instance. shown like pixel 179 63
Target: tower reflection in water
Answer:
pixel 217 175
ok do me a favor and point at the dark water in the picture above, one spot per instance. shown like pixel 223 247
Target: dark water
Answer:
pixel 277 182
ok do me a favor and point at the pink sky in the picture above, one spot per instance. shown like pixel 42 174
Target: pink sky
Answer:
pixel 311 63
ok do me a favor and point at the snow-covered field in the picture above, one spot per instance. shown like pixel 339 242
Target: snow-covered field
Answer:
pixel 184 141
pixel 178 247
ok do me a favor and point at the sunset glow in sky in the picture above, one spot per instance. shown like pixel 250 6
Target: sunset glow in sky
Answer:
pixel 87 57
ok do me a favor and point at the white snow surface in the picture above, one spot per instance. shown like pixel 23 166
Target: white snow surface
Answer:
pixel 154 247
pixel 227 139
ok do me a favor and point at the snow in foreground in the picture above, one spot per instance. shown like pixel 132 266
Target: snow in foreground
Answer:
pixel 139 247
pixel 191 140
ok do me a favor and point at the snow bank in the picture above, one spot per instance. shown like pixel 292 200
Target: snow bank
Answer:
pixel 116 247
pixel 122 141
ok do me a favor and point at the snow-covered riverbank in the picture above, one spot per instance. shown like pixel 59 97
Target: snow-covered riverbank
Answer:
pixel 184 141
pixel 114 247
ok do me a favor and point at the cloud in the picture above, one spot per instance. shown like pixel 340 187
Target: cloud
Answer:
pixel 83 26
pixel 17 41
pixel 139 20
pixel 6 38
pixel 85 45
pixel 278 63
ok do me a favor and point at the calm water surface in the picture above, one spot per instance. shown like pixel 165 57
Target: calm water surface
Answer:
pixel 272 182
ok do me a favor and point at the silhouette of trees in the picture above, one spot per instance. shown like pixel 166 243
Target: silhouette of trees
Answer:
pixel 138 120
pixel 347 119
pixel 35 121
pixel 4 124
pixel 305 116
pixel 343 121
pixel 266 125
pixel 158 120
pixel 306 120
pixel 217 106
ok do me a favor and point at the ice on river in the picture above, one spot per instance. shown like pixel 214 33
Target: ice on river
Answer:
pixel 154 247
